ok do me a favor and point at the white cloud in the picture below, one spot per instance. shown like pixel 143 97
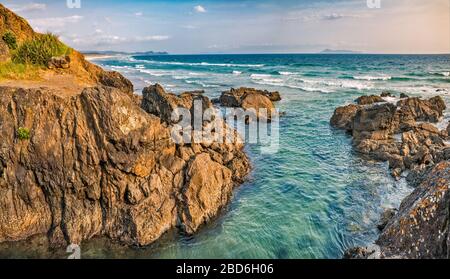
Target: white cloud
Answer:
pixel 54 22
pixel 139 14
pixel 199 9
pixel 189 26
pixel 30 7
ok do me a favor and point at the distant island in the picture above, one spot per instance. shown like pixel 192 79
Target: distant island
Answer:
pixel 333 51
pixel 109 53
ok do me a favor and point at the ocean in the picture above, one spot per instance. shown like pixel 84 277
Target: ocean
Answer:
pixel 315 197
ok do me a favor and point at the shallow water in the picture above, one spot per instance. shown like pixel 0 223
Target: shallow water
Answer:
pixel 315 197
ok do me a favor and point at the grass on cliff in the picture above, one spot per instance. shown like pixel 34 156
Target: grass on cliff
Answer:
pixel 38 50
pixel 29 57
pixel 13 71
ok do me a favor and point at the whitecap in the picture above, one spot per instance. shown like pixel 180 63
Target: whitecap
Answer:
pixel 369 78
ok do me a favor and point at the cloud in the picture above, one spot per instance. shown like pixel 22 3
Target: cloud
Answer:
pixel 199 9
pixel 55 22
pixel 139 14
pixel 189 26
pixel 30 7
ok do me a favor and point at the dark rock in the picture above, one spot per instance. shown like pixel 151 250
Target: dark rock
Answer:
pixel 369 100
pixel 420 228
pixel 403 96
pixel 387 215
pixel 386 94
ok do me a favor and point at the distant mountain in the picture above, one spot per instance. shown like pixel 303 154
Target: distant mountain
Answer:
pixel 333 51
pixel 110 52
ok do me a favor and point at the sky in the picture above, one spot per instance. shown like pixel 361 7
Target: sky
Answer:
pixel 247 26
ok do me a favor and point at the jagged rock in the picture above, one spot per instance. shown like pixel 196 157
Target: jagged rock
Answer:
pixel 208 189
pixel 97 164
pixel 235 97
pixel 116 80
pixel 420 228
pixel 343 117
pixel 416 109
pixel 385 94
pixel 375 122
pixel 387 215
pixel 61 62
pixel 369 100
pixel 403 96
pixel 158 102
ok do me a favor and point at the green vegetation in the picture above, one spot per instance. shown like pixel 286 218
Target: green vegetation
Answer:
pixel 23 133
pixel 12 71
pixel 10 39
pixel 39 50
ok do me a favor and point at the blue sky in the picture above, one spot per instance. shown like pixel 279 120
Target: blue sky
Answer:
pixel 252 26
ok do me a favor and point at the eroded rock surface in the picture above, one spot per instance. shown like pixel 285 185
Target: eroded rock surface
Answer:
pixel 97 164
pixel 404 135
pixel 401 133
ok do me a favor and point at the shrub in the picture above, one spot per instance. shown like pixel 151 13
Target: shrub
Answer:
pixel 39 50
pixel 23 133
pixel 10 39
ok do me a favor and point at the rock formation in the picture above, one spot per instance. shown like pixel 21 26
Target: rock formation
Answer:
pixel 250 98
pixel 420 228
pixel 101 161
pixel 374 128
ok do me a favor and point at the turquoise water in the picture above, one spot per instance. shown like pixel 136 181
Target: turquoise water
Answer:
pixel 315 197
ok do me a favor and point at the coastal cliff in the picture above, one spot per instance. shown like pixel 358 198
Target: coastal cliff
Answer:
pixel 402 133
pixel 93 160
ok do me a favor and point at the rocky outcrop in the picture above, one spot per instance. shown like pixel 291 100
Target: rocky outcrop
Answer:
pixel 376 126
pixel 403 135
pixel 420 228
pixel 251 99
pixel 368 100
pixel 235 97
pixel 97 164
pixel 158 102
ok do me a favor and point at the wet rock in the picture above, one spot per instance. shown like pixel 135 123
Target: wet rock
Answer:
pixel 385 94
pixel 420 228
pixel 386 216
pixel 369 100
pixel 343 117
pixel 403 96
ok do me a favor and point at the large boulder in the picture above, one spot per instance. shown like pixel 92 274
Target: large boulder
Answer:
pixel 369 100
pixel 208 189
pixel 343 117
pixel 235 97
pixel 161 103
